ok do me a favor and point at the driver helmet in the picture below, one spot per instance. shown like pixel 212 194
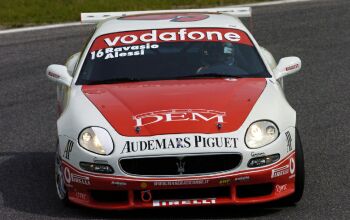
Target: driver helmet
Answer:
pixel 218 53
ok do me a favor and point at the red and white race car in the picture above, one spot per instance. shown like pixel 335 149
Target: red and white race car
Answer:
pixel 175 108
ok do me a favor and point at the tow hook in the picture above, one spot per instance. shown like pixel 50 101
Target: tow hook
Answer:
pixel 146 196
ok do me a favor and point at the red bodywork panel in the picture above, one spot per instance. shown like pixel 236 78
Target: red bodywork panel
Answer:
pixel 176 106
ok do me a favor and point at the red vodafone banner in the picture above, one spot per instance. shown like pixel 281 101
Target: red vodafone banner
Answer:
pixel 170 35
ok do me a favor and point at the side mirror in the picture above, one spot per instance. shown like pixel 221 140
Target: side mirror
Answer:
pixel 287 66
pixel 59 73
pixel 72 62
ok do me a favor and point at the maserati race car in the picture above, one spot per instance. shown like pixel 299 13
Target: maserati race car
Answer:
pixel 175 108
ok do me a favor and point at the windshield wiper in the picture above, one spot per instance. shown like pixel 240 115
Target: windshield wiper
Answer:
pixel 111 81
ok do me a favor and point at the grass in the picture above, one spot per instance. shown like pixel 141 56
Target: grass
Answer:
pixel 18 13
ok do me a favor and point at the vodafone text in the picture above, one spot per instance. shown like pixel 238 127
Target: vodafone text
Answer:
pixel 180 35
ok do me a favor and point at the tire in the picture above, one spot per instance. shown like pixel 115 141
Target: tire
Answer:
pixel 59 179
pixel 299 173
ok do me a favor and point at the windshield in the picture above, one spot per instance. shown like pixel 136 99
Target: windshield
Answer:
pixel 171 54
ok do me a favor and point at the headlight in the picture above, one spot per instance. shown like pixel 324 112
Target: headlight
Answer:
pixel 261 133
pixel 96 140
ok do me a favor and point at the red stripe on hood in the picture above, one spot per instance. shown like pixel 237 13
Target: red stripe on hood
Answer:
pixel 176 106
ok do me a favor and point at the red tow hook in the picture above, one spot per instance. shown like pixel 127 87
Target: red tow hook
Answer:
pixel 146 195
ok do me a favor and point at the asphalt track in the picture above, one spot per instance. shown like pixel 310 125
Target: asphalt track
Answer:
pixel 318 32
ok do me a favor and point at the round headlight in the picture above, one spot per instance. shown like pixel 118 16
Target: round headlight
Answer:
pixel 261 133
pixel 96 140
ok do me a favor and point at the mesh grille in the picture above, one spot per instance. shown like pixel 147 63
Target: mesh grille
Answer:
pixel 184 165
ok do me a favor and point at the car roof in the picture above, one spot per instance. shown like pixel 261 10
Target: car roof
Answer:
pixel 129 23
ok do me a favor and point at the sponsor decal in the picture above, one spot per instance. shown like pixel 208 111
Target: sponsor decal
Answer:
pixel 281 188
pixel 259 154
pixel 289 141
pixel 143 185
pixel 188 17
pixel 242 179
pixel 290 168
pixel 181 182
pixel 140 37
pixel 280 171
pixel 292 67
pixel 80 195
pixel 68 149
pixel 158 203
pixel 54 75
pixel 224 181
pixel 75 178
pixel 117 183
pixel 196 141
pixel 126 51
pixel 179 115
pixel 291 165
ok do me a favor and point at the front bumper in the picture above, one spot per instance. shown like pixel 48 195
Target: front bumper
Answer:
pixel 249 186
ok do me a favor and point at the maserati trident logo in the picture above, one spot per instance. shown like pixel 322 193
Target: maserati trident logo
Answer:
pixel 180 166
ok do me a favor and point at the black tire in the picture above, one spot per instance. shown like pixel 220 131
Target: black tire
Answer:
pixel 299 173
pixel 59 181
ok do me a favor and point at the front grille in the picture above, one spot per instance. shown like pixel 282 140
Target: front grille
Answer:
pixel 180 165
